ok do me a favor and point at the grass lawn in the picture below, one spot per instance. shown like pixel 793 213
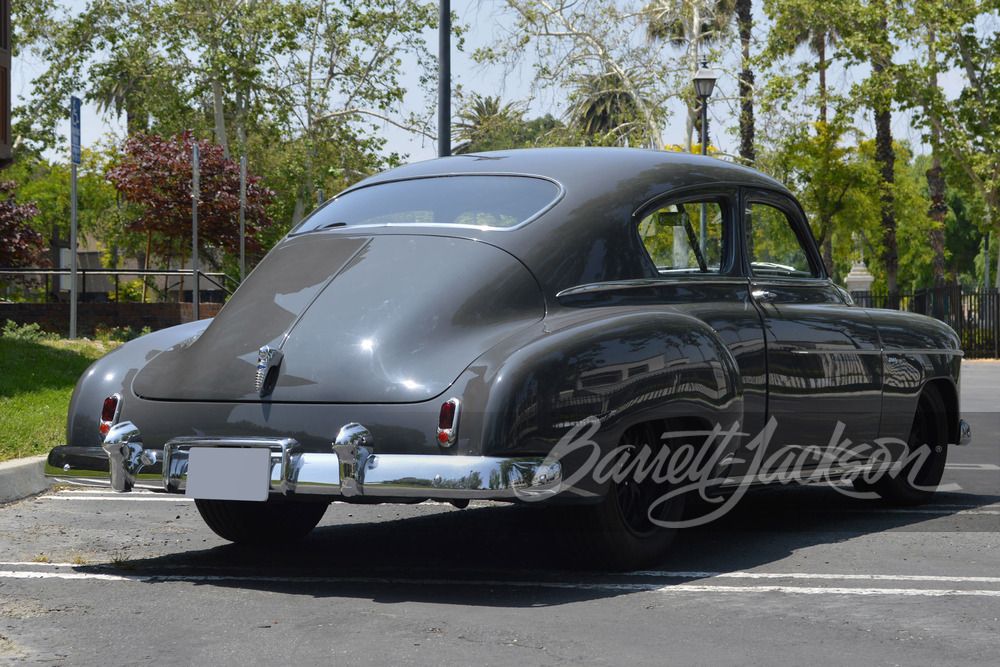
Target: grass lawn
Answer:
pixel 36 382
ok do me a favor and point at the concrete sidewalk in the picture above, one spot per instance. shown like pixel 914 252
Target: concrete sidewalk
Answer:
pixel 21 478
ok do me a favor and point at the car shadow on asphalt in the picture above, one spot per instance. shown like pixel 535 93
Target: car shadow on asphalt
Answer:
pixel 514 555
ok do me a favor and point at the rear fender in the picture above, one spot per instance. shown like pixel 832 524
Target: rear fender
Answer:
pixel 526 395
pixel 113 374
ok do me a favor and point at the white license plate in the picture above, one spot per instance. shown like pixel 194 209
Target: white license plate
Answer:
pixel 228 473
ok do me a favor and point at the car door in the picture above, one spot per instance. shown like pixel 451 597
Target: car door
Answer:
pixel 691 240
pixel 824 369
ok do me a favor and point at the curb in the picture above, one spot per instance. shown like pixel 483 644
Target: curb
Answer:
pixel 21 478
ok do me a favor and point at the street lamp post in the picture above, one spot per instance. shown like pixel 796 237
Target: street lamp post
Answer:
pixel 704 83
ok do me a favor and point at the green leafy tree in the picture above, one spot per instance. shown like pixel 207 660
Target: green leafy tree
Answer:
pixel 48 184
pixel 831 179
pixel 964 37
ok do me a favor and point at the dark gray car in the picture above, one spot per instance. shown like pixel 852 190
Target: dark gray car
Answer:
pixel 610 330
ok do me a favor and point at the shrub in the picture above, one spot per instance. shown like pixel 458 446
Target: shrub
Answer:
pixel 29 332
pixel 118 334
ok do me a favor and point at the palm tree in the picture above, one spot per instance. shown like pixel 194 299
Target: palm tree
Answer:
pixel 486 124
pixel 601 106
pixel 816 28
pixel 744 22
pixel 689 25
pixel 122 83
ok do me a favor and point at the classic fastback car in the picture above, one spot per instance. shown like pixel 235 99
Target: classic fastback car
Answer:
pixel 608 330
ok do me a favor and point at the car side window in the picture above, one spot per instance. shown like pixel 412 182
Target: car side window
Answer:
pixel 685 237
pixel 772 245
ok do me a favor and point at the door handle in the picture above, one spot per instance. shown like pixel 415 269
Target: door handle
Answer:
pixel 763 295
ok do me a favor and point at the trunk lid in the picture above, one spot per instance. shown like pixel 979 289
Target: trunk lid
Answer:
pixel 382 319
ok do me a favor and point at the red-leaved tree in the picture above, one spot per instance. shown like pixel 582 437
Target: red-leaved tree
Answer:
pixel 155 174
pixel 20 245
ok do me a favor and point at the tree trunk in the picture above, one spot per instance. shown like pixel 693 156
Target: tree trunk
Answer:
pixel 885 155
pixel 744 11
pixel 821 52
pixel 694 51
pixel 936 184
pixel 300 210
pixel 937 212
pixel 241 132
pixel 828 255
pixel 220 117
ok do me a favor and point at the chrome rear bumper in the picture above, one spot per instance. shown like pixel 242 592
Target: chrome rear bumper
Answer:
pixel 351 470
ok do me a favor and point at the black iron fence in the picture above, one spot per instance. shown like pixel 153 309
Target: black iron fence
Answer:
pixel 108 288
pixel 974 315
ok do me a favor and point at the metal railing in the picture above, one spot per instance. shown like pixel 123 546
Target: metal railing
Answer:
pixel 216 278
pixel 973 314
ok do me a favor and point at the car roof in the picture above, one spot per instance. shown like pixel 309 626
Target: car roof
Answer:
pixel 583 237
pixel 574 166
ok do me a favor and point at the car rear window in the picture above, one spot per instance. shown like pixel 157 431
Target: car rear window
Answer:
pixel 494 202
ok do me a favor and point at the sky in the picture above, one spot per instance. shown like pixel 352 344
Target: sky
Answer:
pixel 479 16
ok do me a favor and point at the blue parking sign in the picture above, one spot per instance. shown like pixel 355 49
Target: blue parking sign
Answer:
pixel 74 131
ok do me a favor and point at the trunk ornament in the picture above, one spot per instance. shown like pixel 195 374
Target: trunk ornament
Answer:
pixel 268 361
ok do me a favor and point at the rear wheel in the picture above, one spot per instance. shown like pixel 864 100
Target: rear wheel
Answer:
pixel 619 532
pixel 926 453
pixel 272 522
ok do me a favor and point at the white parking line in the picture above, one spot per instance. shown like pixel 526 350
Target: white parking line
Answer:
pixel 567 585
pixel 815 575
pixel 913 510
pixel 971 466
pixel 170 498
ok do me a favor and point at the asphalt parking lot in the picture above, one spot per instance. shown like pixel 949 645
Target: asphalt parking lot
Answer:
pixel 793 574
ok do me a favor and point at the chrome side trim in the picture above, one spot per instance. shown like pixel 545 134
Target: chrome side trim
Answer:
pixel 953 353
pixel 845 350
pixel 639 283
pixel 888 353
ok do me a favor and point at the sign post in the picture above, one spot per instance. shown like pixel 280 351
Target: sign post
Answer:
pixel 74 123
pixel 195 297
pixel 243 220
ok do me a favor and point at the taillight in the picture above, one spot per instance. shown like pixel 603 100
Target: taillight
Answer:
pixel 109 412
pixel 447 430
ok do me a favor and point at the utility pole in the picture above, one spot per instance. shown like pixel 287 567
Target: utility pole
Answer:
pixel 444 79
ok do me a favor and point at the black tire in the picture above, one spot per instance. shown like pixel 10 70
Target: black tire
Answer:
pixel 617 533
pixel 916 482
pixel 271 522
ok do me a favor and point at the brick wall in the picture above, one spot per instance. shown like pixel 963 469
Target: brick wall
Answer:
pixel 55 316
